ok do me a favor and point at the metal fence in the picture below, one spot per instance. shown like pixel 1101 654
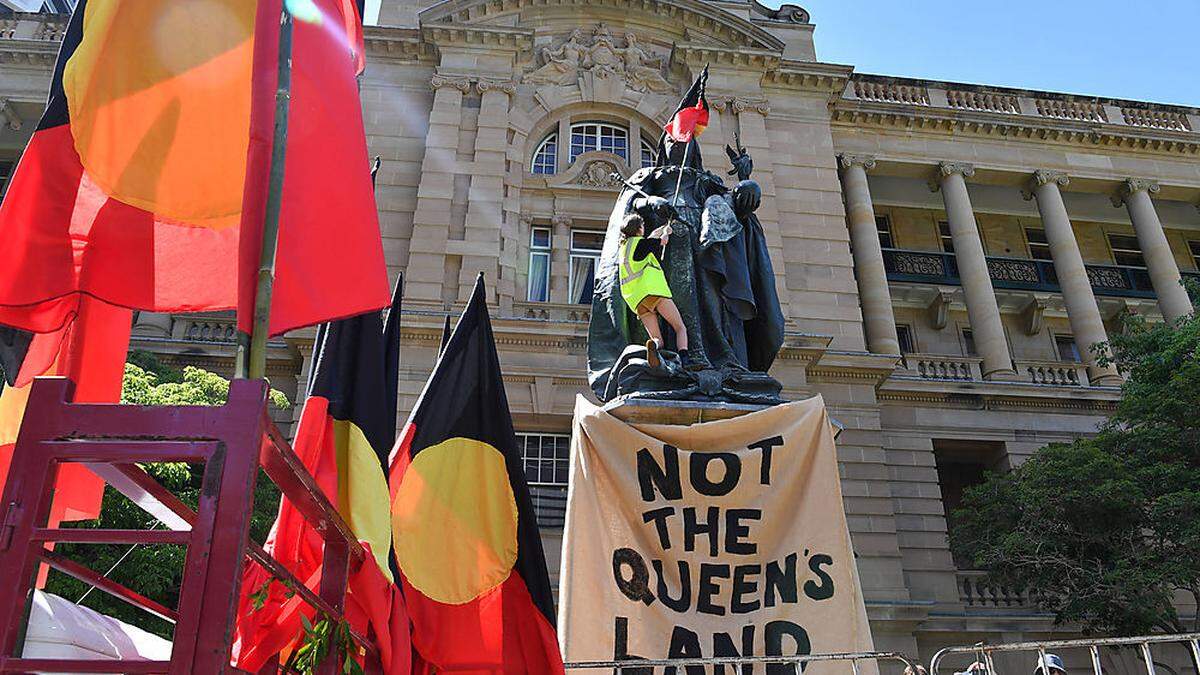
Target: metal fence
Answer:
pixel 1142 647
pixel 718 664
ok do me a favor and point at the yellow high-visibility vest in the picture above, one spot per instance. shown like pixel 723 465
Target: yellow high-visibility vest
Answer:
pixel 640 279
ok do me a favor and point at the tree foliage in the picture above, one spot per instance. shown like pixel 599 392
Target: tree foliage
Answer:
pixel 156 571
pixel 1105 531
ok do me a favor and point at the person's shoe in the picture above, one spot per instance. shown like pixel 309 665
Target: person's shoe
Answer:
pixel 652 354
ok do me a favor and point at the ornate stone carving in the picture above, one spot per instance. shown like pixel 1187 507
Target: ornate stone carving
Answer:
pixel 1020 271
pixel 507 86
pixel 918 264
pixel 946 169
pixel 1131 186
pixel 741 105
pixel 1043 177
pixel 1106 277
pixel 786 13
pixel 462 84
pixel 846 160
pixel 599 174
pixel 603 58
pixel 561 222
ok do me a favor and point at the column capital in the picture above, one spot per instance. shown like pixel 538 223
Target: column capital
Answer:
pixel 946 169
pixel 1131 186
pixel 847 160
pixel 741 104
pixel 462 84
pixel 1043 177
pixel 507 86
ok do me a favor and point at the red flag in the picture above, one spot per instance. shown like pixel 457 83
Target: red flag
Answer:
pixel 132 188
pixel 474 574
pixel 90 350
pixel 345 433
pixel 691 117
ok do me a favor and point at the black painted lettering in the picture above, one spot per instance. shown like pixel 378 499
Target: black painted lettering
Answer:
pixel 745 583
pixel 706 588
pixel 824 590
pixel 693 528
pixel 684 602
pixel 736 531
pixel 684 645
pixel 780 581
pixel 632 576
pixel 765 446
pixel 775 634
pixel 723 647
pixel 621 647
pixel 731 472
pixel 665 478
pixel 659 518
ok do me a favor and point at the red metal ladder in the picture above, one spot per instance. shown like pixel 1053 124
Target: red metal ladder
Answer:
pixel 232 441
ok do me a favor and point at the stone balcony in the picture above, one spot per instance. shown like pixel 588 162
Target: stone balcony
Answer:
pixel 976 593
pixel 1018 103
pixel 936 267
pixel 950 368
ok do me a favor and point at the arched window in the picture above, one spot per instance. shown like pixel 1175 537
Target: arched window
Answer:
pixel 648 153
pixel 545 160
pixel 590 136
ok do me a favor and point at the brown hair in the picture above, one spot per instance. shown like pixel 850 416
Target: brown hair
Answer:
pixel 629 228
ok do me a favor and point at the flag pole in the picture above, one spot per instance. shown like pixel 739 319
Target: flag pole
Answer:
pixel 255 366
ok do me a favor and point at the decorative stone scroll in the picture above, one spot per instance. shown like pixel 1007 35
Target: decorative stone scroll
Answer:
pixel 462 84
pixel 1131 186
pixel 603 58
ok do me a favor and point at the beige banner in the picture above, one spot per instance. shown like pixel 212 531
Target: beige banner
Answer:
pixel 723 538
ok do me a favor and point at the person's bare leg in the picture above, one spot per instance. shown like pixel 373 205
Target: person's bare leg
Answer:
pixel 650 322
pixel 670 312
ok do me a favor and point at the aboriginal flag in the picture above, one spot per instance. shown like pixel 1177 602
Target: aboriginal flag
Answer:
pixel 691 117
pixel 344 438
pixel 144 183
pixel 471 561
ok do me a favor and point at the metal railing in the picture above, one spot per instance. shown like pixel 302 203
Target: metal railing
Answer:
pixel 796 662
pixel 983 653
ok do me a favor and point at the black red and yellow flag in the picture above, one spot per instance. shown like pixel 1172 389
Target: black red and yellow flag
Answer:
pixel 144 183
pixel 344 438
pixel 471 561
pixel 691 117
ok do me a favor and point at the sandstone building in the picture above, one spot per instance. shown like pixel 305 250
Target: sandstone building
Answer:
pixel 946 254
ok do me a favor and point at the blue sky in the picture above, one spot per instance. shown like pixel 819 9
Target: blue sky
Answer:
pixel 1119 49
pixel 1141 51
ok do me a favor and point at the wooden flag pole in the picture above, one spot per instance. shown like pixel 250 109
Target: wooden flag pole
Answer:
pixel 255 366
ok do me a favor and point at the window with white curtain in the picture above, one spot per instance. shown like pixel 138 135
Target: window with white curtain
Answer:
pixel 539 264
pixel 602 136
pixel 546 458
pixel 545 160
pixel 585 253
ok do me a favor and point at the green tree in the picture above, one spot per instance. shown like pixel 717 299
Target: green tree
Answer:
pixel 156 571
pixel 1105 531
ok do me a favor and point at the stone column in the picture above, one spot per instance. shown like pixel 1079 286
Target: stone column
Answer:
pixel 1082 310
pixel 982 310
pixel 1160 262
pixel 426 274
pixel 487 223
pixel 879 321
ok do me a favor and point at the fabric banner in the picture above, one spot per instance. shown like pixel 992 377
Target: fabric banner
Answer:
pixel 724 538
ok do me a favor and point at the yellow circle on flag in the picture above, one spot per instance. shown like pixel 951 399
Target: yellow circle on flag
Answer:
pixel 159 99
pixel 454 521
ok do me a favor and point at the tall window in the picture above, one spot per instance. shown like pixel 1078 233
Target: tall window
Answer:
pixel 545 160
pixel 539 264
pixel 1039 247
pixel 1126 250
pixel 1066 348
pixel 546 458
pixel 585 253
pixel 648 153
pixel 904 335
pixel 590 136
pixel 883 225
pixel 1194 249
pixel 962 464
pixel 944 236
pixel 968 340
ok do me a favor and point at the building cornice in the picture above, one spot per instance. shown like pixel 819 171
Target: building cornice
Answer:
pixel 939 107
pixel 470 35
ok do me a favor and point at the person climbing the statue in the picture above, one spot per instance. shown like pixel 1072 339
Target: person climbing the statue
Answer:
pixel 644 286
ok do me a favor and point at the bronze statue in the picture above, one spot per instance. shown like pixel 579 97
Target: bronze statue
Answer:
pixel 720 277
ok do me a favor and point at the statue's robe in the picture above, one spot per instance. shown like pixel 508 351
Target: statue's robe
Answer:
pixel 720 276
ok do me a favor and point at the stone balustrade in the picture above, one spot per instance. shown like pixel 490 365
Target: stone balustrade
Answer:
pixel 38 27
pixel 553 311
pixel 974 590
pixel 943 367
pixel 880 89
pixel 206 329
pixel 1057 373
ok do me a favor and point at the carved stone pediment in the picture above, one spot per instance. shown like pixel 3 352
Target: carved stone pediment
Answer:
pixel 603 56
pixel 592 170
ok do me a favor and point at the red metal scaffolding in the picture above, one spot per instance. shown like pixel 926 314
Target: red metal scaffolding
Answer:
pixel 232 441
